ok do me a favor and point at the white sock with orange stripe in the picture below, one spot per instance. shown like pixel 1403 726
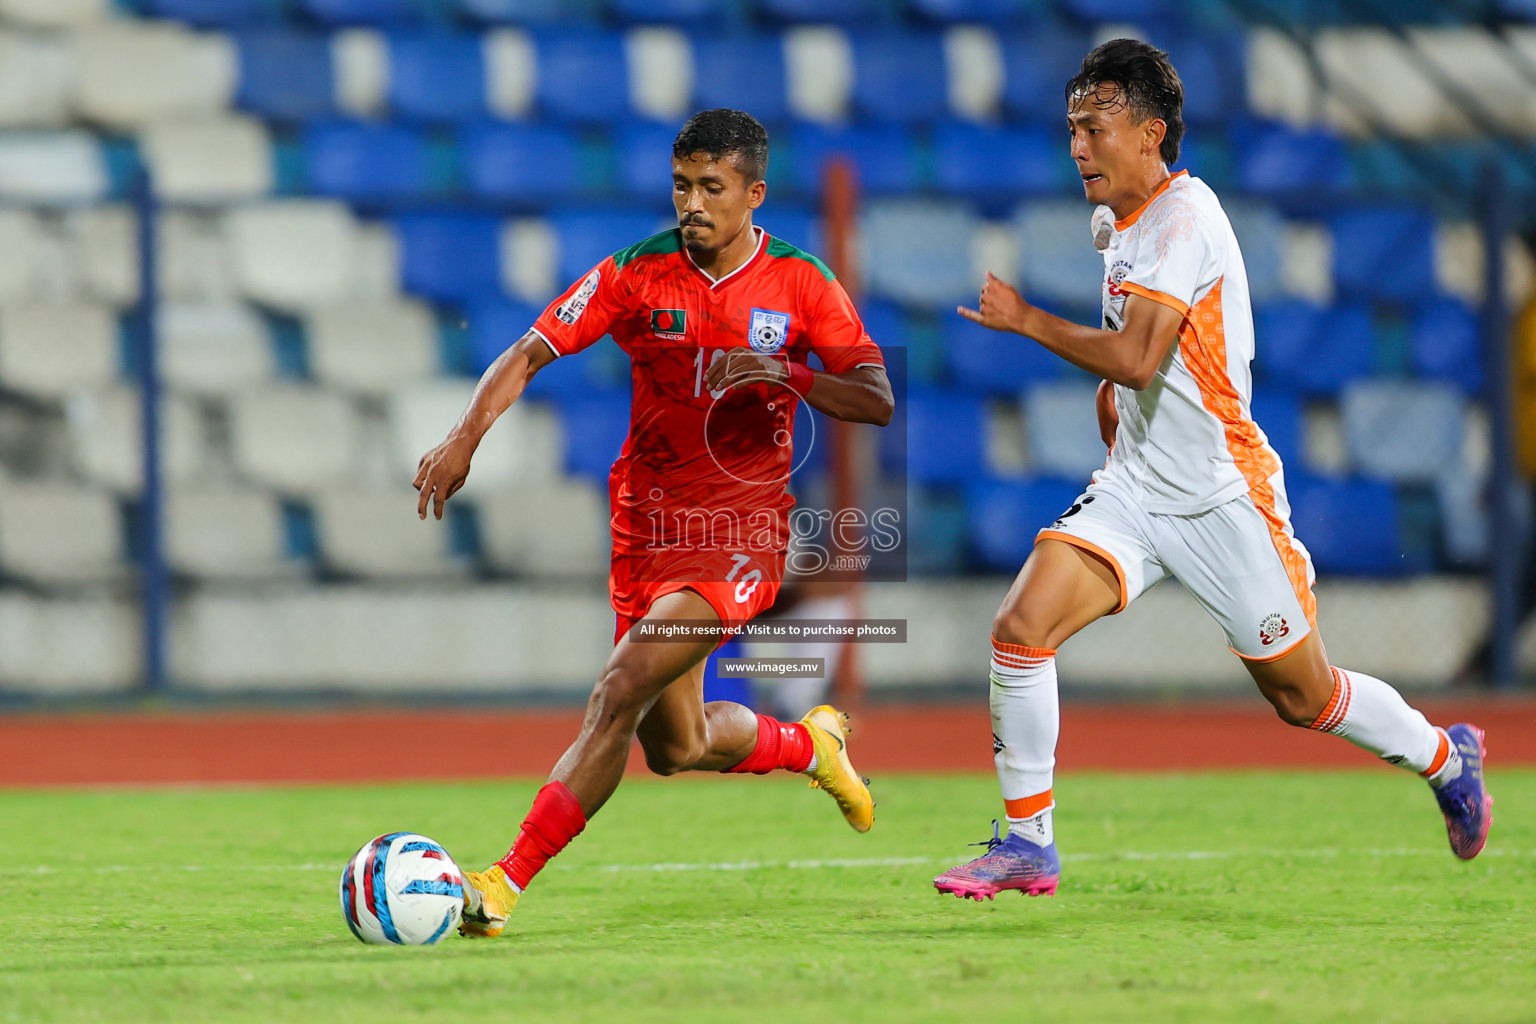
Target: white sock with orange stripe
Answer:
pixel 1373 716
pixel 1026 717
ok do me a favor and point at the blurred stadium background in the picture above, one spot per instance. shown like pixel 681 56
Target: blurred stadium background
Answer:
pixel 357 204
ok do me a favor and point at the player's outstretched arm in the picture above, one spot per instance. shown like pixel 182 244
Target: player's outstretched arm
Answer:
pixel 860 395
pixel 1130 356
pixel 442 470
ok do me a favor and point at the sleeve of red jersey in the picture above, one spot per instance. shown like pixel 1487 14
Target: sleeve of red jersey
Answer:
pixel 584 312
pixel 837 334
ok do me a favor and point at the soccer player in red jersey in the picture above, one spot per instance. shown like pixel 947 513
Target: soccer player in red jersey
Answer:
pixel 718 319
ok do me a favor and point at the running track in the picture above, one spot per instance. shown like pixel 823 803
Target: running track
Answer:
pixel 316 747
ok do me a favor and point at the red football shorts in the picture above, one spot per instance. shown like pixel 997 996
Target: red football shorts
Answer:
pixel 738 586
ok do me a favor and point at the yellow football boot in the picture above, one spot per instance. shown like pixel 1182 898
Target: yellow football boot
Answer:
pixel 488 899
pixel 834 772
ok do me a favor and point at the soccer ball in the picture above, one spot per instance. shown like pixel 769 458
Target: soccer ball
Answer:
pixel 401 889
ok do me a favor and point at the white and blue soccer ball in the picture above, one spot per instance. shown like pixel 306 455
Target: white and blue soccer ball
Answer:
pixel 401 889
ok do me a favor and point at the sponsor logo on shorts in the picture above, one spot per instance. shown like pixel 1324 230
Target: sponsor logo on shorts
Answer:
pixel 571 309
pixel 997 744
pixel 1273 628
pixel 767 331
pixel 671 324
pixel 1077 507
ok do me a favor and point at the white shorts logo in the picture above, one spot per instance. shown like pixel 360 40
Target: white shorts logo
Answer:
pixel 767 331
pixel 571 309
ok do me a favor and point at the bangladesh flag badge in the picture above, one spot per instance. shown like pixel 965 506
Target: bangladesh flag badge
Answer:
pixel 671 324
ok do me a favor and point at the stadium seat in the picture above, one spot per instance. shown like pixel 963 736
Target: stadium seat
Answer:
pixel 818 73
pixel 133 74
pixel 1004 517
pixel 450 256
pixel 1057 260
pixel 367 162
pixel 943 439
pixel 59 534
pixel 293 253
pixel 375 533
pixel 1349 526
pixel 1208 156
pixel 918 252
pixel 285 74
pixel 1403 431
pixel 583 76
pixel 1211 67
pixel 975 72
pixel 1384 253
pixel 35 89
pixel 529 12
pixel 936 543
pixel 522 163
pixel 1312 349
pixel 296 440
pixel 1275 160
pixel 1132 11
pixel 22 238
pixel 684 12
pixel 572 538
pixel 214 349
pixel 643 159
pixel 360 66
pixel 210 159
pixel 595 429
pixel 1261 236
pixel 1278 414
pixel 493 326
pixel 226 533
pixel 659 65
pixel 587 237
pixel 1037 66
pixel 741 73
pixel 51 350
pixel 1062 425
pixel 991 363
pixel 1465 533
pixel 972 11
pixel 900 78
pixel 884 158
pixel 52 167
pixel 860 12
pixel 54 13
pixel 523 446
pixel 105 432
pixel 372 347
pixel 511 72
pixel 999 163
pixel 216 13
pixel 436 77
pixel 363 12
pixel 1447 343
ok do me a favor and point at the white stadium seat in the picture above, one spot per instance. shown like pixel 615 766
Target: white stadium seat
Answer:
pixel 919 251
pixel 375 532
pixel 295 439
pixel 973 59
pixel 294 254
pixel 818 67
pixel 21 240
pixel 105 432
pixel 209 159
pixel 1063 430
pixel 69 645
pixel 530 256
pixel 511 72
pixel 59 533
pixel 1056 256
pixel 360 64
pixel 557 529
pixel 660 63
pixel 35 71
pixel 1403 431
pixel 54 13
pixel 372 346
pixel 131 75
pixel 51 350
pixel 226 533
pixel 213 348
pixel 52 167
pixel 523 446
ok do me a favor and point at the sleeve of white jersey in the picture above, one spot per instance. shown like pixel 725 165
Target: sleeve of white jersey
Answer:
pixel 1176 260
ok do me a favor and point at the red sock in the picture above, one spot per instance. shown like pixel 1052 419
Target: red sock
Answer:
pixel 554 820
pixel 784 745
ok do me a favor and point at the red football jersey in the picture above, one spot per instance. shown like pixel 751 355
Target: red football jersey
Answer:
pixel 699 469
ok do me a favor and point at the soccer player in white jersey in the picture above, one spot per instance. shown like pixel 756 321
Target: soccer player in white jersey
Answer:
pixel 1191 488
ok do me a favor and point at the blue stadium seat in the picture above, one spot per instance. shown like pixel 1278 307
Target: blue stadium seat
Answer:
pixel 363 12
pixel 943 439
pixel 1037 66
pixel 451 257
pixel 367 162
pixel 1384 253
pixel 1062 423
pixel 885 324
pixel 1350 526
pixel 285 75
pixel 986 162
pixel 494 324
pixel 971 11
pixel 919 252
pixel 1446 340
pixel 1260 235
pixel 681 12
pixel 529 12
pixel 1057 259
pixel 936 543
pixel 884 158
pixel 742 73
pixel 900 78
pixel 843 11
pixel 1206 155
pixel 796 225
pixel 520 162
pixel 1118 10
pixel 436 77
pixel 1314 350
pixel 1210 66
pixel 1403 431
pixel 587 237
pixel 583 76
pixel 1275 160
pixel 595 429
pixel 215 12
pixel 991 363
pixel 1005 515
pixel 1278 414
pixel 643 156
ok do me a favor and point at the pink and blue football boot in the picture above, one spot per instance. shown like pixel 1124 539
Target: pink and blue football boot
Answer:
pixel 1464 800
pixel 1009 863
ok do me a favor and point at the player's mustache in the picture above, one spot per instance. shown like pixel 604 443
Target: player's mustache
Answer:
pixel 694 222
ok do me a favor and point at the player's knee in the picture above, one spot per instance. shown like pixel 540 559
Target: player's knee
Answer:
pixel 620 694
pixel 1294 706
pixel 1022 624
pixel 671 757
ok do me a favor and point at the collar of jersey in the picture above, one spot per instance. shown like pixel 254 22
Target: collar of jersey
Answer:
pixel 1121 225
pixel 762 238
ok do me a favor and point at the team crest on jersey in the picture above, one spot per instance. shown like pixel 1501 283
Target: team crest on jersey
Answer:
pixel 671 324
pixel 1273 628
pixel 1117 273
pixel 768 331
pixel 571 309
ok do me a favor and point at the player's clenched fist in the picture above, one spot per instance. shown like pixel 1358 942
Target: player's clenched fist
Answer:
pixel 441 473
pixel 739 367
pixel 1002 308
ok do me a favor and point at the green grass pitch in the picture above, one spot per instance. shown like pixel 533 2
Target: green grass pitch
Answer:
pixel 1222 897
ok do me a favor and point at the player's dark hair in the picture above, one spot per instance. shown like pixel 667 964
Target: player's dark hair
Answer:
pixel 1144 81
pixel 725 132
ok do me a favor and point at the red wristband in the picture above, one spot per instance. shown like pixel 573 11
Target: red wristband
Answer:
pixel 801 377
